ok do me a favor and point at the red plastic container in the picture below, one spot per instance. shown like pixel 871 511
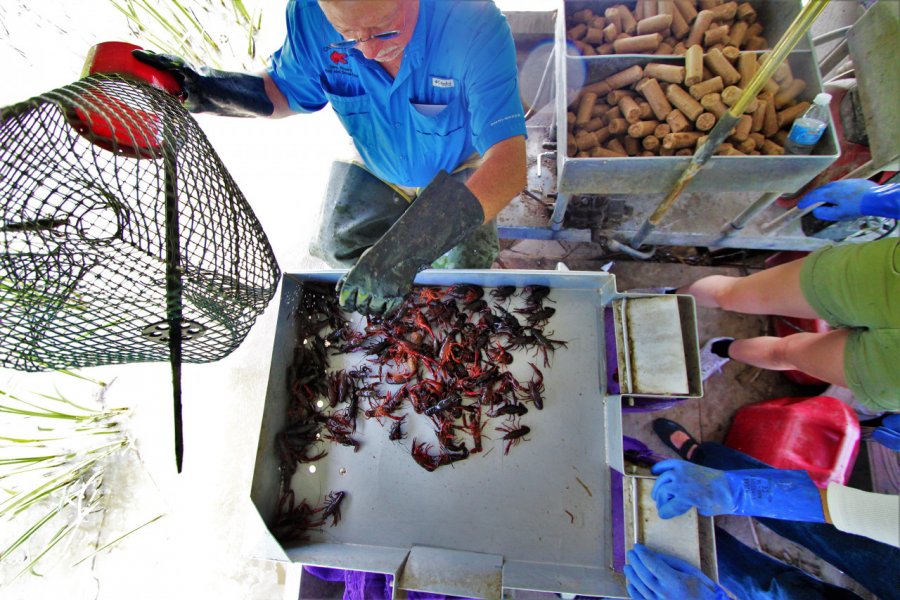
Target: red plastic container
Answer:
pixel 115 57
pixel 785 326
pixel 819 435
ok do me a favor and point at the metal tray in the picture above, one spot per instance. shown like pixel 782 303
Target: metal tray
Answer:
pixel 538 519
pixel 491 520
pixel 775 15
pixel 634 175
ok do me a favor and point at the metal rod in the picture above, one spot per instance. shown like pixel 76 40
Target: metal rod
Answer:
pixel 173 287
pixel 836 56
pixel 788 41
pixel 831 35
pixel 789 216
pixel 749 213
pixel 559 211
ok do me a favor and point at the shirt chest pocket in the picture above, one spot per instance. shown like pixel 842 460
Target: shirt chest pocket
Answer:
pixel 440 116
pixel 353 111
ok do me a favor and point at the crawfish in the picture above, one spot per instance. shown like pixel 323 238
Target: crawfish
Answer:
pixel 344 440
pixel 473 426
pixel 422 323
pixel 513 434
pixel 332 508
pixel 447 403
pixel 503 292
pixel 421 454
pixel 467 292
pixel 535 294
pixel 513 409
pixel 384 409
pixel 427 295
pixel 545 345
pixel 535 388
pixel 396 432
pixel 292 522
pixel 451 453
pixel 541 316
pixel 499 355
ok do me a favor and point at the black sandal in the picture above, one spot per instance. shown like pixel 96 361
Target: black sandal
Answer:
pixel 664 428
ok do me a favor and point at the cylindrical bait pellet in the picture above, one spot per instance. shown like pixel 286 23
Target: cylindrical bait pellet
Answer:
pixel 656 24
pixel 663 72
pixel 677 121
pixel 684 102
pixel 639 44
pixel 642 129
pixel 685 139
pixel 705 122
pixel 584 108
pixel 719 65
pixel 701 24
pixel 710 86
pixel 693 65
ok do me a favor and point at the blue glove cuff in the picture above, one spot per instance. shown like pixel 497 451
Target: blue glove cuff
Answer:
pixel 776 493
pixel 882 201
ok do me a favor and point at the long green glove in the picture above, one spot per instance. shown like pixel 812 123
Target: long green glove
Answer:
pixel 210 90
pixel 441 217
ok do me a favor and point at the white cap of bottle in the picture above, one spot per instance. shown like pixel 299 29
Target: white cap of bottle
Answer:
pixel 822 99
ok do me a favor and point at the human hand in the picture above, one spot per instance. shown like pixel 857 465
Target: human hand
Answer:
pixel 177 66
pixel 683 485
pixel 776 493
pixel 209 90
pixel 655 576
pixel 374 286
pixel 443 214
pixel 842 199
pixel 888 433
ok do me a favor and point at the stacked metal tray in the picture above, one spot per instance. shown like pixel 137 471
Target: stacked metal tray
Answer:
pixel 657 174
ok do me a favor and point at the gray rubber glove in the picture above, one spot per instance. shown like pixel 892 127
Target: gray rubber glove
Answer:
pixel 210 90
pixel 440 218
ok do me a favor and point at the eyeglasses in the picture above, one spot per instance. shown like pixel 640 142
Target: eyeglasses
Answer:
pixel 347 44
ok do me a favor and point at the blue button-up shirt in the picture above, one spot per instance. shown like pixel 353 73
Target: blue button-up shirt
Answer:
pixel 456 91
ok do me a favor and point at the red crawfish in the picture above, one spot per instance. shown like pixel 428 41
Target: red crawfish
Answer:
pixel 513 434
pixel 422 455
pixel 466 292
pixel 499 355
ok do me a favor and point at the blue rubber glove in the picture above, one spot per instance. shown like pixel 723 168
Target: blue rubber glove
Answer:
pixel 775 493
pixel 882 201
pixel 653 575
pixel 853 198
pixel 888 433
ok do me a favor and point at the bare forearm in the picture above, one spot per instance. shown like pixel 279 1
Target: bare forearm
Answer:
pixel 500 177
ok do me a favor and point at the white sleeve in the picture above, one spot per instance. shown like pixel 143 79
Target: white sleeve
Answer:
pixel 875 516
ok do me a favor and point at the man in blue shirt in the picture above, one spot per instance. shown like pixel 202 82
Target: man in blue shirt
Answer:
pixel 428 91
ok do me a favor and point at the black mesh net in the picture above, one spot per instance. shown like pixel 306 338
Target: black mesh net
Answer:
pixel 85 174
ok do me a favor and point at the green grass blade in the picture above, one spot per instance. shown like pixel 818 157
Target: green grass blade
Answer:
pixel 118 539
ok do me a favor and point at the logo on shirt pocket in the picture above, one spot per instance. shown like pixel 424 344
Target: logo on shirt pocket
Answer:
pixel 440 82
